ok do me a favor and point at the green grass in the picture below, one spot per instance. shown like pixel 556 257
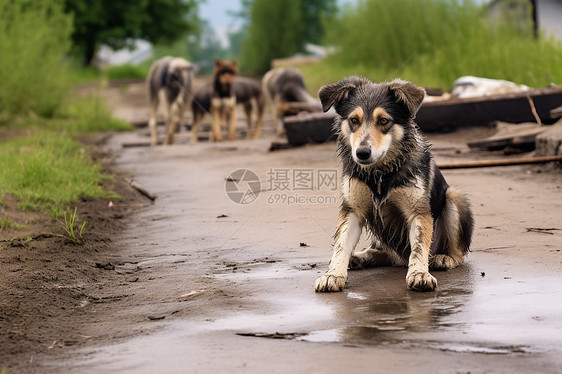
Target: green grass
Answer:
pixel 434 42
pixel 125 71
pixel 88 114
pixel 47 170
pixel 73 232
pixel 7 224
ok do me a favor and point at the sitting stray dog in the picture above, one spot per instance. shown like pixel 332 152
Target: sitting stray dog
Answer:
pixel 169 81
pixel 392 187
pixel 221 97
pixel 285 85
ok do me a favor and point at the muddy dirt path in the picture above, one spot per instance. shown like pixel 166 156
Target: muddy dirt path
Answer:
pixel 220 286
pixel 207 284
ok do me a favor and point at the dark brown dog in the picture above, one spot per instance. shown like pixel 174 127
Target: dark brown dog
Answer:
pixel 220 98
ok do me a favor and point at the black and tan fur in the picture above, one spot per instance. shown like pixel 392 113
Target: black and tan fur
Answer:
pixel 285 85
pixel 391 187
pixel 220 98
pixel 169 82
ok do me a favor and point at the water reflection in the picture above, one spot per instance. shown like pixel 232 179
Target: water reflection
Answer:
pixel 379 309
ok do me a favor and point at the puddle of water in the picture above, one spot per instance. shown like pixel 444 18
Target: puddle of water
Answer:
pixel 322 336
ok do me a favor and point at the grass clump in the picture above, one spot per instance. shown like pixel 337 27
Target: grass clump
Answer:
pixel 34 40
pixel 7 224
pixel 48 170
pixel 434 42
pixel 73 232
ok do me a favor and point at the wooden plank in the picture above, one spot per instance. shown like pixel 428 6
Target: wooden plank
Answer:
pixel 510 135
pixel 514 108
pixel 556 112
pixel 495 163
pixel 309 128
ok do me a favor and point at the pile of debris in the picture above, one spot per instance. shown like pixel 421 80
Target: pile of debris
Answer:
pixel 522 116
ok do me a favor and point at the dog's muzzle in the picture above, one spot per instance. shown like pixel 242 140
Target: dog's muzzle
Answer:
pixel 363 154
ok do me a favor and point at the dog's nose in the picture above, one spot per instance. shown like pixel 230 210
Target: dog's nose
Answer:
pixel 363 153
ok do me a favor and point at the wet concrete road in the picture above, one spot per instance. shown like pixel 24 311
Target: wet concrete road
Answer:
pixel 231 284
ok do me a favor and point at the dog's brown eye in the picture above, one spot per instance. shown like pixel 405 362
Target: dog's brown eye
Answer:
pixel 384 121
pixel 354 120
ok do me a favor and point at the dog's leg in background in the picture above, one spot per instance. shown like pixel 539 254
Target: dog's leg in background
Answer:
pixel 231 108
pixel 152 121
pixel 260 106
pixel 215 120
pixel 347 236
pixel 420 234
pixel 248 112
pixel 167 111
pixel 197 118
pixel 177 112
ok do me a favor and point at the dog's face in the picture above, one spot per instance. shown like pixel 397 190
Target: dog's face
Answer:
pixel 226 70
pixel 373 116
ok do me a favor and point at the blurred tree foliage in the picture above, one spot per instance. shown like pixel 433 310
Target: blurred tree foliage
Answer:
pixel 116 23
pixel 281 28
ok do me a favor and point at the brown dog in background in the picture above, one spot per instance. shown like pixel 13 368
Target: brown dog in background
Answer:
pixel 220 98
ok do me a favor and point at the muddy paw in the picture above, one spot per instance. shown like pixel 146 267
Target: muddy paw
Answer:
pixel 330 283
pixel 421 281
pixel 443 262
pixel 356 262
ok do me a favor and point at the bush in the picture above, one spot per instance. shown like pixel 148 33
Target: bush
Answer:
pixel 433 42
pixel 34 39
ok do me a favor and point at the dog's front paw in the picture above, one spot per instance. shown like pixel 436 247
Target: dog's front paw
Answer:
pixel 421 281
pixel 330 283
pixel 357 261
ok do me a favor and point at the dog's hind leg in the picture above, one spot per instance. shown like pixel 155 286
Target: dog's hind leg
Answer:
pixel 454 231
pixel 152 121
pixel 347 236
pixel 167 111
pixel 197 118
pixel 248 112
pixel 177 113
pixel 232 121
pixel 260 106
pixel 368 258
pixel 215 120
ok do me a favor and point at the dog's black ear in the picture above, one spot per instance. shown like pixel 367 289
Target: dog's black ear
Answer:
pixel 408 93
pixel 331 94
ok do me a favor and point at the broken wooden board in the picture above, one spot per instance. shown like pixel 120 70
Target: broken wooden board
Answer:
pixel 293 108
pixel 556 112
pixel 309 128
pixel 510 135
pixel 476 111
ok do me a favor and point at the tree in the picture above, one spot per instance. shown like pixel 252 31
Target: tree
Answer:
pixel 117 23
pixel 280 28
pixel 274 30
pixel 315 13
pixel 204 46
